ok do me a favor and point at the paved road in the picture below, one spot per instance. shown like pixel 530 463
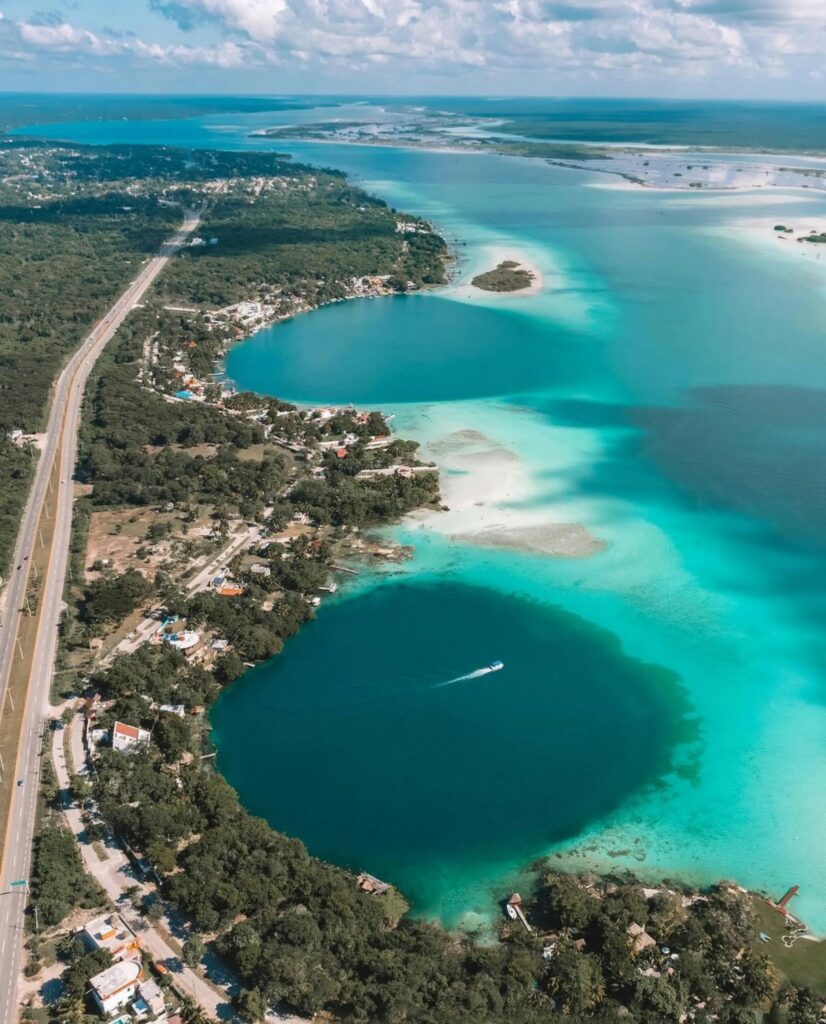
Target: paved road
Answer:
pixel 115 876
pixel 61 437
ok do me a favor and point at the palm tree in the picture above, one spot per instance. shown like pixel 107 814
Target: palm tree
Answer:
pixel 192 1012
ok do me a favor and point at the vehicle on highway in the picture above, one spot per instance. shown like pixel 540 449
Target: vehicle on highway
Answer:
pixel 19 782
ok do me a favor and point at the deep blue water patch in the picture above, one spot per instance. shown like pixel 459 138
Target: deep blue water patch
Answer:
pixel 350 741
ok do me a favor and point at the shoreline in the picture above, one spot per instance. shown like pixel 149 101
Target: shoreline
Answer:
pixel 531 538
pixel 490 256
pixel 778 162
pixel 491 535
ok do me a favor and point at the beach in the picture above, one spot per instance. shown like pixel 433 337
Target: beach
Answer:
pixel 489 256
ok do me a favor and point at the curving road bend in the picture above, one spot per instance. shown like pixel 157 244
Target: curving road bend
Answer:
pixel 61 441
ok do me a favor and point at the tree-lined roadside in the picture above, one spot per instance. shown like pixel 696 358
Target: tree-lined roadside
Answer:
pixel 48 531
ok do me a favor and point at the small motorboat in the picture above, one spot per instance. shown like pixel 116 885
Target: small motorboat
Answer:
pixel 496 666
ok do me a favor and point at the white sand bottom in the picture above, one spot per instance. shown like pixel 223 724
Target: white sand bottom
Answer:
pixel 489 492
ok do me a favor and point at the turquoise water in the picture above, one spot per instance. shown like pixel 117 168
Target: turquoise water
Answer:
pixel 665 391
pixel 428 776
pixel 315 359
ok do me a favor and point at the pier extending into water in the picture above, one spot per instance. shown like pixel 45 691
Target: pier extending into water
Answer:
pixel 515 905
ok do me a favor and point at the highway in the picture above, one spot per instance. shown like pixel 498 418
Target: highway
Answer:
pixel 60 443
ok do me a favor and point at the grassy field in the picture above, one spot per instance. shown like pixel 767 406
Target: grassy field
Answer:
pixel 804 964
pixel 14 705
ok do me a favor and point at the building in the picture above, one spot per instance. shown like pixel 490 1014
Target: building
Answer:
pixel 173 709
pixel 128 737
pixel 112 933
pixel 372 885
pixel 149 991
pixel 638 938
pixel 187 641
pixel 117 985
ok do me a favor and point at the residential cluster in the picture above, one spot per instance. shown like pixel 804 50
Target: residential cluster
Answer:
pixel 126 987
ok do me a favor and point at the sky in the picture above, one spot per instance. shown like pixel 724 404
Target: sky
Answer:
pixel 748 49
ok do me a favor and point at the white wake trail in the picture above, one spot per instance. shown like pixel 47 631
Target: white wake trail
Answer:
pixel 460 679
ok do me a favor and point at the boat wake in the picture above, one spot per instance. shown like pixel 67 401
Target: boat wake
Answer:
pixel 494 666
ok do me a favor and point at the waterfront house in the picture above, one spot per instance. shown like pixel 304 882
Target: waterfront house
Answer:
pixel 117 985
pixel 372 885
pixel 128 737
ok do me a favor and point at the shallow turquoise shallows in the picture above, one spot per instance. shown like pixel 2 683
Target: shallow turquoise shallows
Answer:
pixel 666 391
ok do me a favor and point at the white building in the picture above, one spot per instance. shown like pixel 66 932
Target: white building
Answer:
pixel 173 709
pixel 128 737
pixel 117 985
pixel 149 991
pixel 112 933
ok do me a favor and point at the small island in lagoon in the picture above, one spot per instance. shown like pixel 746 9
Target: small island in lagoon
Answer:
pixel 508 276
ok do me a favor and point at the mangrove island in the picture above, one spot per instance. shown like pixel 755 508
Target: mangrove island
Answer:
pixel 508 276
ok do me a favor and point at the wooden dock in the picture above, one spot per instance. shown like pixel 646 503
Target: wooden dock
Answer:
pixel 516 902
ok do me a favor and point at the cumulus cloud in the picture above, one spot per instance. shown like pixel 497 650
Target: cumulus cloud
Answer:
pixel 506 33
pixel 23 40
pixel 673 37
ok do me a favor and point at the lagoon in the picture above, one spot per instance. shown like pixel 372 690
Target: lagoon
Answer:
pixel 366 738
pixel 665 391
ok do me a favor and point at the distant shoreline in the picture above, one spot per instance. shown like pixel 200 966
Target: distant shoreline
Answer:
pixel 643 158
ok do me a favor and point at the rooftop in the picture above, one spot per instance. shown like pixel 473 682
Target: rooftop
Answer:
pixel 131 732
pixel 116 977
pixel 110 932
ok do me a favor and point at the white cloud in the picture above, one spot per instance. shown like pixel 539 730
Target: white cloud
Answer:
pixel 65 38
pixel 507 33
pixel 688 38
pixel 23 40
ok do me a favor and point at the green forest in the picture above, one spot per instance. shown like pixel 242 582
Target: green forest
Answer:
pixel 77 221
